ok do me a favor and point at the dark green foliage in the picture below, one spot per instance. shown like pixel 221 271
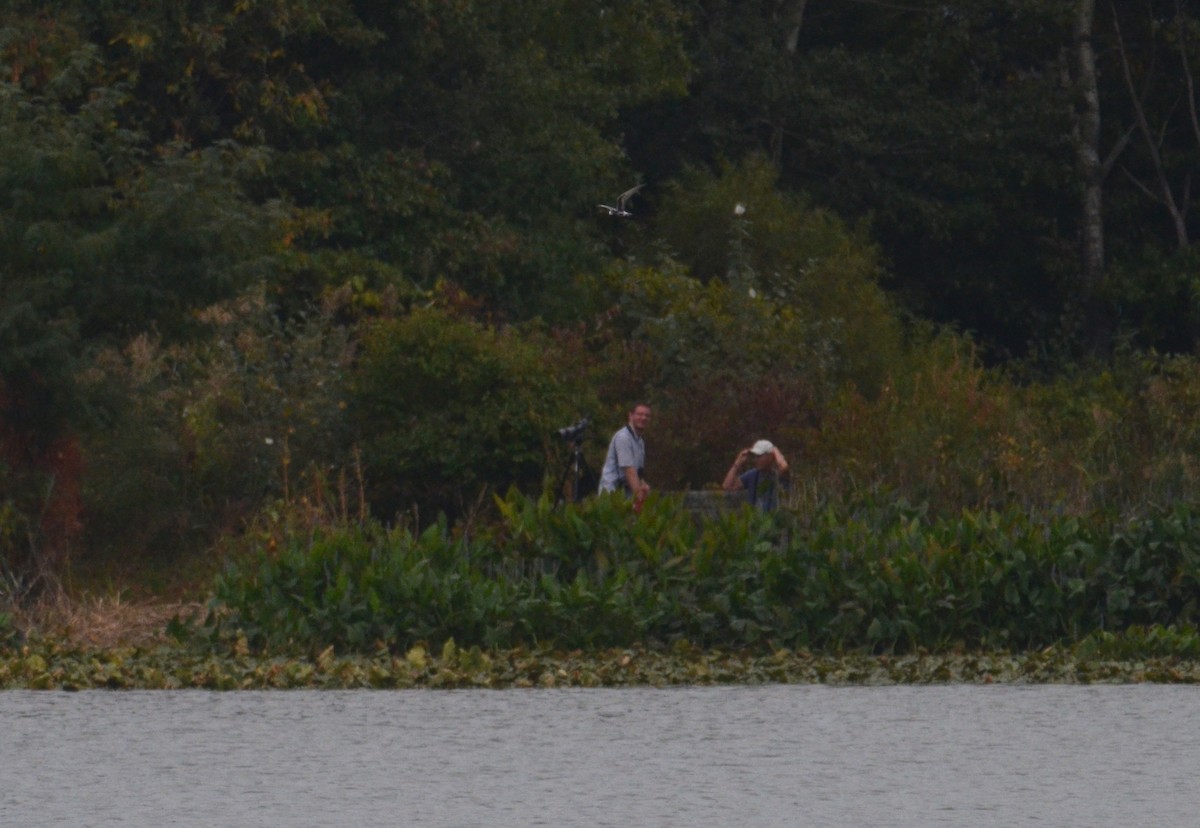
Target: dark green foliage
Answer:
pixel 803 264
pixel 874 576
pixel 471 142
pixel 357 588
pixel 359 160
pixel 194 438
pixel 1158 296
pixel 947 125
pixel 449 409
pixel 99 241
pixel 98 244
pixel 1142 643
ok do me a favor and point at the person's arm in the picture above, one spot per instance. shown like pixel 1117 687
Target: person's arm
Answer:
pixel 781 463
pixel 636 484
pixel 629 460
pixel 733 480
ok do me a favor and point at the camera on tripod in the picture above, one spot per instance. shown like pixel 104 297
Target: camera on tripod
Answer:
pixel 574 432
pixel 577 480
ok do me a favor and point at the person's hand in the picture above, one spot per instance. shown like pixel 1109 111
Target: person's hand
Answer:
pixel 743 456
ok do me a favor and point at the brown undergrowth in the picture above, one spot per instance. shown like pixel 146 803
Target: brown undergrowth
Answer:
pixel 101 622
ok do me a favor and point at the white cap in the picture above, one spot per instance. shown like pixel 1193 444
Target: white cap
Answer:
pixel 762 447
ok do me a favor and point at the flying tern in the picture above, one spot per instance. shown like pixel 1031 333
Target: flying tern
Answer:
pixel 620 210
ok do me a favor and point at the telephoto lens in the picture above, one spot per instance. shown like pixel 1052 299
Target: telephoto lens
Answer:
pixel 575 430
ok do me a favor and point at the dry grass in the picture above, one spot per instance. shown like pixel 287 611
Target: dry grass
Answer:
pixel 102 621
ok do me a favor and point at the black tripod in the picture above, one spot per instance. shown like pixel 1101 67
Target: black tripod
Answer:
pixel 575 473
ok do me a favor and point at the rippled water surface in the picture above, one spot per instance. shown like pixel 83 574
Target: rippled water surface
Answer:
pixel 726 756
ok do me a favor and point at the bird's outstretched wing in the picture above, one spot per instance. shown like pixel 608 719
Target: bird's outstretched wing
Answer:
pixel 625 196
pixel 619 209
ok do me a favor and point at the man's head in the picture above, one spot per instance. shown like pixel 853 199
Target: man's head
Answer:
pixel 763 453
pixel 639 417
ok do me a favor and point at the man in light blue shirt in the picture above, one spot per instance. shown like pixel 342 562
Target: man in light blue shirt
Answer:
pixel 625 463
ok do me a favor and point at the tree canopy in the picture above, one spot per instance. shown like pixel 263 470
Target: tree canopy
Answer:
pixel 825 182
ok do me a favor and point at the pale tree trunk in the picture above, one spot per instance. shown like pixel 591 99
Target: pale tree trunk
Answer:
pixel 789 14
pixel 1088 147
pixel 1092 172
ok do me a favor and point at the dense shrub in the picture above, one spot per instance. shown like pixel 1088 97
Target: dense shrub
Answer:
pixel 946 433
pixel 721 368
pixel 194 438
pixel 738 227
pixel 956 435
pixel 449 409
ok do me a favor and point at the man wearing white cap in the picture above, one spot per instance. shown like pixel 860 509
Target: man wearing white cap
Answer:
pixel 761 481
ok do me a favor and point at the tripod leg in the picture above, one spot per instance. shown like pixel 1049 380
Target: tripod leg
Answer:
pixel 580 479
pixel 577 480
pixel 559 493
pixel 577 475
pixel 583 478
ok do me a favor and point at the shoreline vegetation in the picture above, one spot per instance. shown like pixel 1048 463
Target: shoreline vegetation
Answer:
pixel 56 665
pixel 595 595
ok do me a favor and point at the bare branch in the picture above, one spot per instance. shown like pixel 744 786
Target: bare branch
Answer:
pixel 1118 147
pixel 1166 196
pixel 1137 182
pixel 1187 70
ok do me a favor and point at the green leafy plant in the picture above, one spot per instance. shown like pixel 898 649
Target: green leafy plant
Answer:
pixel 881 577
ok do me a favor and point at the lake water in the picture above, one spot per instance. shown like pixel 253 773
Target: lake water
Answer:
pixel 963 755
